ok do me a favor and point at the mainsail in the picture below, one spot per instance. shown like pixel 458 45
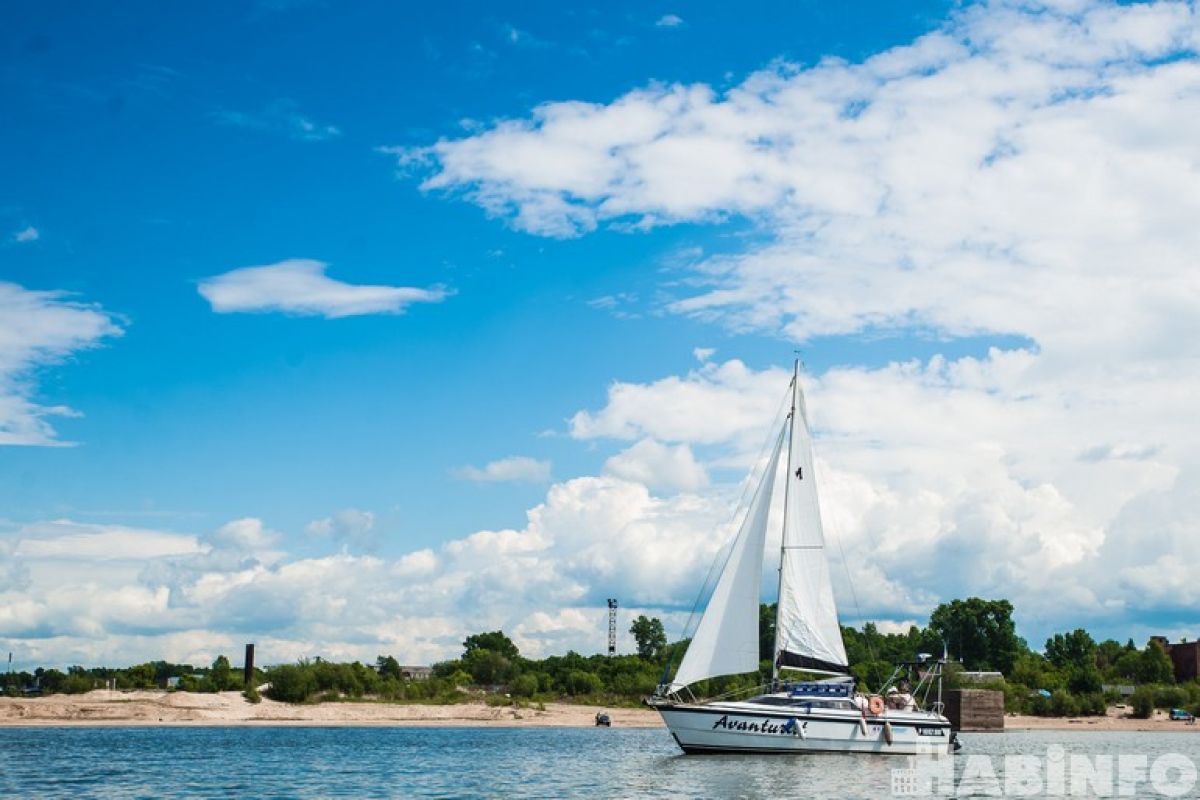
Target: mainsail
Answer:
pixel 726 640
pixel 807 634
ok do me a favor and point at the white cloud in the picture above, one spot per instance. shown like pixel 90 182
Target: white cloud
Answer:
pixel 300 286
pixel 349 525
pixel 76 541
pixel 592 538
pixel 1021 171
pixel 952 478
pixel 281 116
pixel 669 21
pixel 26 234
pixel 658 466
pixel 40 328
pixel 713 404
pixel 513 468
pixel 1026 173
pixel 248 535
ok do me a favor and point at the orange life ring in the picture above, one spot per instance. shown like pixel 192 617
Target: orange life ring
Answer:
pixel 875 705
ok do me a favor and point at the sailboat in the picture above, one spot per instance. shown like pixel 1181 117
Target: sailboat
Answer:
pixel 823 713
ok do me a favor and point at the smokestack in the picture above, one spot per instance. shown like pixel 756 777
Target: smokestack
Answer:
pixel 248 675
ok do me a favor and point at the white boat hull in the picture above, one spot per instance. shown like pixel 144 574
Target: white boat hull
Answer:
pixel 744 728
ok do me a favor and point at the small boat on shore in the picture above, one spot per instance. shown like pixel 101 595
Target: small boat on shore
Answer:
pixel 828 714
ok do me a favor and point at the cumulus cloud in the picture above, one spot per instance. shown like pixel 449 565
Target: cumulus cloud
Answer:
pixel 717 403
pixel 659 466
pixel 248 534
pixel 1025 173
pixel 281 116
pixel 183 597
pixel 513 468
pixel 26 234
pixel 300 286
pixel 40 328
pixel 949 478
pixel 669 21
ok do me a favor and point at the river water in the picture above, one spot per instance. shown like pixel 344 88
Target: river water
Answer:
pixel 187 762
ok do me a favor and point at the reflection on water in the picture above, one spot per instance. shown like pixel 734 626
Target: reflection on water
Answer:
pixel 475 762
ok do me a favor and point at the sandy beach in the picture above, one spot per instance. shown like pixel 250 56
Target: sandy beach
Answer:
pixel 1117 719
pixel 230 708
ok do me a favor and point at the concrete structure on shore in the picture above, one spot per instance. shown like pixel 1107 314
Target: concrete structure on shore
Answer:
pixel 975 709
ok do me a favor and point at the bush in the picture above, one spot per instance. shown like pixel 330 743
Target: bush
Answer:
pixel 578 682
pixel 1142 702
pixel 1063 704
pixel 251 694
pixel 1170 697
pixel 77 684
pixel 1092 704
pixel 292 683
pixel 459 678
pixel 1083 680
pixel 526 685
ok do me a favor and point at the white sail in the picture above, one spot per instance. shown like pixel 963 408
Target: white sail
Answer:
pixel 726 640
pixel 807 634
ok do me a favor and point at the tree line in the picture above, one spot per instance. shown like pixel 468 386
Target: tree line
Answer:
pixel 1066 678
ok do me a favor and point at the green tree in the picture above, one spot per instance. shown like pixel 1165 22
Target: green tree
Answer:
pixel 221 674
pixel 1154 665
pixel 979 632
pixel 1107 653
pixel 526 685
pixel 1142 701
pixel 388 667
pixel 1128 664
pixel 1075 650
pixel 1034 672
pixel 292 683
pixel 650 637
pixel 579 682
pixel 766 631
pixel 488 667
pixel 494 641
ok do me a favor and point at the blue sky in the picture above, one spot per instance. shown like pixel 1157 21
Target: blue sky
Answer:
pixel 943 222
pixel 126 161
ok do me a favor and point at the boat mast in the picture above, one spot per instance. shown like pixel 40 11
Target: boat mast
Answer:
pixel 787 491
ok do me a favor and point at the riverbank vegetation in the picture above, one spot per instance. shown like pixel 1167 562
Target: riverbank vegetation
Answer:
pixel 1072 675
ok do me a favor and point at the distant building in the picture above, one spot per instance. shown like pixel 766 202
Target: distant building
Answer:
pixel 1185 656
pixel 416 673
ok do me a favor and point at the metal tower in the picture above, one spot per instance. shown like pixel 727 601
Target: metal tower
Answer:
pixel 612 626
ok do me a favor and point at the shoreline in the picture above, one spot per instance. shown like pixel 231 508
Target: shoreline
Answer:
pixel 146 708
pixel 1114 720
